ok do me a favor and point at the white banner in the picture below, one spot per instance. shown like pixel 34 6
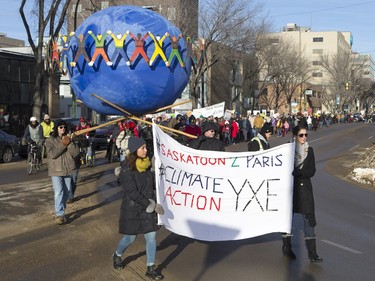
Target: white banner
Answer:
pixel 216 196
pixel 216 110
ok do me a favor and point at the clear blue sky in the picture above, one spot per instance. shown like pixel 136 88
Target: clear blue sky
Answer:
pixel 357 17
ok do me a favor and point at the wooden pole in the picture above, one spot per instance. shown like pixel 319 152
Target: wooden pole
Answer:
pixel 144 121
pixel 84 131
pixel 170 106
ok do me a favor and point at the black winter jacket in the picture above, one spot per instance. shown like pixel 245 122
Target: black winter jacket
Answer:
pixel 138 188
pixel 204 143
pixel 303 198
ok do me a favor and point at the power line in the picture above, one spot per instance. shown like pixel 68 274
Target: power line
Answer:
pixel 324 10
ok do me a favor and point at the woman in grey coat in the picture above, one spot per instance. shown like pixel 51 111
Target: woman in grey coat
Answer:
pixel 62 153
pixel 303 199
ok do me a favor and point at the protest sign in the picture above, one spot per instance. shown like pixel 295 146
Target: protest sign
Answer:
pixel 217 196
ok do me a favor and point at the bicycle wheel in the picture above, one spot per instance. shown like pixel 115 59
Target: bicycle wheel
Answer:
pixel 37 164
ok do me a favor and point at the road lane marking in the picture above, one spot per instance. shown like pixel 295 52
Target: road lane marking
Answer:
pixel 354 147
pixel 368 215
pixel 341 247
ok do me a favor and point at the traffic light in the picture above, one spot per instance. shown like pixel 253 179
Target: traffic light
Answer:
pixel 347 86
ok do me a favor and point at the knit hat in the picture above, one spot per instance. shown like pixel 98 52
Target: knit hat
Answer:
pixel 192 118
pixel 266 128
pixel 61 122
pixel 208 125
pixel 135 143
pixel 33 119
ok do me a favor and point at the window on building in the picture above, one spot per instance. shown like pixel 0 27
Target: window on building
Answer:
pixel 79 8
pixel 317 62
pixel 4 69
pixel 273 41
pixel 318 39
pixel 171 13
pixel 104 5
pixel 317 51
pixel 15 70
pixel 317 74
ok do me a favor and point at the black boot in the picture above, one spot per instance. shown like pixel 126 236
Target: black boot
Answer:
pixel 287 247
pixel 117 262
pixel 151 273
pixel 311 248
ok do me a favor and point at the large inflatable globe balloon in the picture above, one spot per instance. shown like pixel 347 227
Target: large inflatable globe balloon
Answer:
pixel 130 56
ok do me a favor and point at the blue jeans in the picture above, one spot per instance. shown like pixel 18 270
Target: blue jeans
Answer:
pixel 309 230
pixel 62 189
pixel 150 238
pixel 74 181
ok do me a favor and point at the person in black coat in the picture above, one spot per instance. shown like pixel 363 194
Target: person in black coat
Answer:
pixel 138 214
pixel 208 139
pixel 260 142
pixel 303 199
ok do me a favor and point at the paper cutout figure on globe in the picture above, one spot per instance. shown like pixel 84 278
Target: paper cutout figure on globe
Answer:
pixel 136 86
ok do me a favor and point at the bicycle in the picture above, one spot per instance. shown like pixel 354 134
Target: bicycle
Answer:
pixel 34 158
pixel 86 151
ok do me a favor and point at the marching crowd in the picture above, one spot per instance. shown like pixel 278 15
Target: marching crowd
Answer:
pixel 134 144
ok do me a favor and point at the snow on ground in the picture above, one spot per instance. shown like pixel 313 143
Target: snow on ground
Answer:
pixel 364 168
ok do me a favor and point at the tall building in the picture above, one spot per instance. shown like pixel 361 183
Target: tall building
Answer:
pixel 182 13
pixel 314 47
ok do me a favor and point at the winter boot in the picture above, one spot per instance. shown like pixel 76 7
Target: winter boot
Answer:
pixel 151 273
pixel 311 248
pixel 287 247
pixel 117 262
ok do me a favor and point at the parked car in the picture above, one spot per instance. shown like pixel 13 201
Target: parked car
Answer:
pixel 101 137
pixel 9 146
pixel 358 117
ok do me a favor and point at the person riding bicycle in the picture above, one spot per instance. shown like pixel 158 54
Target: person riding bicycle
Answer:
pixel 33 133
pixel 84 141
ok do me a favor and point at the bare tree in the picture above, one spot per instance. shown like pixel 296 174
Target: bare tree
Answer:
pixel 223 25
pixel 50 15
pixel 283 71
pixel 345 74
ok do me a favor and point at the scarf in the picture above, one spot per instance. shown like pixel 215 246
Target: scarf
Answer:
pixel 263 138
pixel 142 164
pixel 300 154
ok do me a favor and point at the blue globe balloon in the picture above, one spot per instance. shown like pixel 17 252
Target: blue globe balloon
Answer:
pixel 137 87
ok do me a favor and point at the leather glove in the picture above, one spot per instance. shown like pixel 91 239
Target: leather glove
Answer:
pixel 65 140
pixel 159 209
pixel 151 207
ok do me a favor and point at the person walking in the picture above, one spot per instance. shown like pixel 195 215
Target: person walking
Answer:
pixel 260 142
pixel 303 199
pixel 258 123
pixel 208 139
pixel 62 153
pixel 138 213
pixel 47 125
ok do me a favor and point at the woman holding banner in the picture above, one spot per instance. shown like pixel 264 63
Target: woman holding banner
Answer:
pixel 138 214
pixel 303 199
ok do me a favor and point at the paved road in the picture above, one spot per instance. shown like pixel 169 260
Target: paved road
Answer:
pixel 32 247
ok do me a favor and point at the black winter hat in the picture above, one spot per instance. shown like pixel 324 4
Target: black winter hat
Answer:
pixel 135 143
pixel 192 118
pixel 266 128
pixel 208 125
